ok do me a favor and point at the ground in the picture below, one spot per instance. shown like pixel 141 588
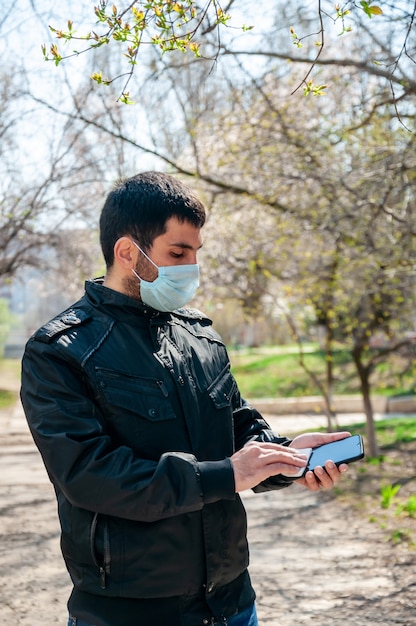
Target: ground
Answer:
pixel 319 559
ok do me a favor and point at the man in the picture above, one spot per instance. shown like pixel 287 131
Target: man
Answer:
pixel 143 432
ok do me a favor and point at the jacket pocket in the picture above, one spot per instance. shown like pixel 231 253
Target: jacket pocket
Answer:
pixel 222 389
pixel 100 550
pixel 146 396
pixel 138 413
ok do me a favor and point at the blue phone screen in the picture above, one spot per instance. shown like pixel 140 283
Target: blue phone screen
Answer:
pixel 341 451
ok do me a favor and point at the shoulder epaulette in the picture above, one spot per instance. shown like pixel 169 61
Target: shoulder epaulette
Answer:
pixel 193 314
pixel 69 319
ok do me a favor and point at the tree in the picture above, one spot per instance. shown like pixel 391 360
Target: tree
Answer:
pixel 169 26
pixel 189 27
pixel 50 161
pixel 36 203
pixel 45 179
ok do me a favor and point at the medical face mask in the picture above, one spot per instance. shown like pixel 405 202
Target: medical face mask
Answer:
pixel 174 286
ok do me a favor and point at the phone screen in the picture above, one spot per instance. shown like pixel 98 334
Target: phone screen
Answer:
pixel 341 451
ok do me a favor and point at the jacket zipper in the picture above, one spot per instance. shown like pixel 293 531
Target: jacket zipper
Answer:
pixel 104 568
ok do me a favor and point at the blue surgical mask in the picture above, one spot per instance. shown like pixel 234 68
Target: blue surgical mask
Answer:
pixel 174 286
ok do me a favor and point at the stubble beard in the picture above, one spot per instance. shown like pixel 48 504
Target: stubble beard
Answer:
pixel 131 284
pixel 131 287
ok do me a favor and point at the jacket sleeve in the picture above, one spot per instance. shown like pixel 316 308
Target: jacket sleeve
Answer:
pixel 249 425
pixel 84 464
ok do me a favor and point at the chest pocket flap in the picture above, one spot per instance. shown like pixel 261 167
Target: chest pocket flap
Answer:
pixel 144 396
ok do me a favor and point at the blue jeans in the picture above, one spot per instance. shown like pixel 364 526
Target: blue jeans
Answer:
pixel 246 618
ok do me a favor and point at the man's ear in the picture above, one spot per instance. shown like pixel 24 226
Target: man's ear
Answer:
pixel 125 253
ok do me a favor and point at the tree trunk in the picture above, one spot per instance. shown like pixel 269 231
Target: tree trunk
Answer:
pixel 329 359
pixel 364 376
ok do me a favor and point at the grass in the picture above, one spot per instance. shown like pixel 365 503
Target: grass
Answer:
pixel 395 432
pixel 264 373
pixel 9 381
pixel 7 398
pixel 391 433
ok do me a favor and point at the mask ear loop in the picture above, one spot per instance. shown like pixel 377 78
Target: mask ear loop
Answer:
pixel 136 274
pixel 144 253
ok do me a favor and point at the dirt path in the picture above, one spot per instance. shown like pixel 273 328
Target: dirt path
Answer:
pixel 314 560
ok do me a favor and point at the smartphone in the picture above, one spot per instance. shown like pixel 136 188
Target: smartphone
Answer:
pixel 344 450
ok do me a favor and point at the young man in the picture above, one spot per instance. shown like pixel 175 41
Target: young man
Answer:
pixel 143 432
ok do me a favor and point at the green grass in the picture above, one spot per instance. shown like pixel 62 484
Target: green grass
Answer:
pixel 7 398
pixel 9 377
pixel 267 373
pixel 391 433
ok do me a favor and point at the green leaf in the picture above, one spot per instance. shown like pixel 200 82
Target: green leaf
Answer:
pixel 366 8
pixel 125 98
pixel 370 10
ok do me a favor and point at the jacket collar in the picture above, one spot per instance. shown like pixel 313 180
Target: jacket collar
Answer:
pixel 117 304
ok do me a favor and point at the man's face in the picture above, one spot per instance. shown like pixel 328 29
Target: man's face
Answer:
pixel 179 245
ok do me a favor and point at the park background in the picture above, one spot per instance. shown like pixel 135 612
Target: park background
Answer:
pixel 295 124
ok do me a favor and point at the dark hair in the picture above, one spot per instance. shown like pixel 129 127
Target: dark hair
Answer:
pixel 140 206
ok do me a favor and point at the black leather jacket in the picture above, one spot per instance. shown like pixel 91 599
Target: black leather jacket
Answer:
pixel 136 414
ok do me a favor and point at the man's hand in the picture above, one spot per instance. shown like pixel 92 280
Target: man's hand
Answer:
pixel 321 477
pixel 256 461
